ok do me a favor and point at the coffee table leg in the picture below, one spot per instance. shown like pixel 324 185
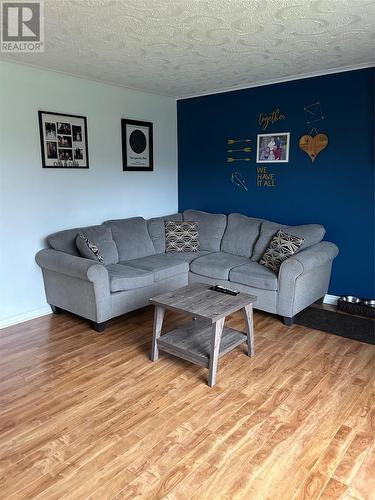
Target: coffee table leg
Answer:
pixel 217 330
pixel 248 313
pixel 158 323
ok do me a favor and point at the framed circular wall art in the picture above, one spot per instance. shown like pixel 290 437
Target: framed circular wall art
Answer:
pixel 137 146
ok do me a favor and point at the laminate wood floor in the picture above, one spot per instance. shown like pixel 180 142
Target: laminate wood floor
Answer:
pixel 88 416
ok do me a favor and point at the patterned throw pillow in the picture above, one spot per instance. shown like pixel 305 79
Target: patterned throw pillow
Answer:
pixel 281 247
pixel 181 236
pixel 88 249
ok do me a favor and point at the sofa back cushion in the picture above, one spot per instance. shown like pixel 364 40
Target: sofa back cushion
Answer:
pixel 240 235
pixel 88 249
pixel 131 238
pixel 64 241
pixel 211 228
pixel 101 236
pixel 311 234
pixel 267 230
pixel 156 230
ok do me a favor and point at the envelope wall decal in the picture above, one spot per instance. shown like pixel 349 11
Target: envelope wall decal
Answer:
pixel 313 112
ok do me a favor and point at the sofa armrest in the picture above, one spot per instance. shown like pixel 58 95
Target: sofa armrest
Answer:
pixel 75 284
pixel 71 265
pixel 304 278
pixel 306 260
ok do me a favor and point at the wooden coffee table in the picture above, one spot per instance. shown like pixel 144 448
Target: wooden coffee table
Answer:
pixel 205 339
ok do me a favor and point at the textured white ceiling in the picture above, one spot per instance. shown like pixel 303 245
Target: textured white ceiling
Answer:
pixel 189 47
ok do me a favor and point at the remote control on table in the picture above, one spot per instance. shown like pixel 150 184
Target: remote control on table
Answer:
pixel 222 289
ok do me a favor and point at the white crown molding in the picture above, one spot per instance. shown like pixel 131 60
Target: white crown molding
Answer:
pixel 20 318
pixel 85 78
pixel 342 69
pixel 188 48
pixel 331 299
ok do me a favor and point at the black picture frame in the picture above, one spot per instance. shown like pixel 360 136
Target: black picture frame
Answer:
pixel 63 135
pixel 142 132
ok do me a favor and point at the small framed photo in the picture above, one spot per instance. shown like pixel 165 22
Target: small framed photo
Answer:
pixel 137 146
pixel 273 148
pixel 63 140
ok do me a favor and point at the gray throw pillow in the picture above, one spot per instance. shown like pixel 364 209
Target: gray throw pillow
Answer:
pixel 181 236
pixel 281 247
pixel 88 249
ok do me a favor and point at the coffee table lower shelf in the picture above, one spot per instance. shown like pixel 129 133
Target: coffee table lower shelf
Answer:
pixel 192 342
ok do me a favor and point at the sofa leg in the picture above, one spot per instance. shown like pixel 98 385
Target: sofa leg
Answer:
pixel 99 327
pixel 55 309
pixel 288 321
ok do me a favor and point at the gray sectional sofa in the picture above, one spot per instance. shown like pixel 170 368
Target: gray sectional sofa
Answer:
pixel 136 266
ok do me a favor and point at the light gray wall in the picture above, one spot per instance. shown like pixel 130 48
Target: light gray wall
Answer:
pixel 35 201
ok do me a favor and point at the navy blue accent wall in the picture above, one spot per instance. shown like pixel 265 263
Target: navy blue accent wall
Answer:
pixel 337 190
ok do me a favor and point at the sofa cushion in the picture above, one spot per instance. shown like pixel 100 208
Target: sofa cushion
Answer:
pixel 311 234
pixel 65 241
pixel 217 265
pixel 156 230
pixel 188 256
pixel 162 265
pixel 131 238
pixel 255 275
pixel 128 278
pixel 211 228
pixel 240 235
pixel 88 249
pixel 282 246
pixel 101 236
pixel 267 230
pixel 181 236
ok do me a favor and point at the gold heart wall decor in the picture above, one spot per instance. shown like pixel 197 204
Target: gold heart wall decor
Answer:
pixel 313 145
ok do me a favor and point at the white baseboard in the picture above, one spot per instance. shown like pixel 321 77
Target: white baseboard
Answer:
pixel 43 311
pixel 20 318
pixel 331 299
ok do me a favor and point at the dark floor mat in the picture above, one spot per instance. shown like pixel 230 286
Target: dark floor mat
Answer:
pixel 338 323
